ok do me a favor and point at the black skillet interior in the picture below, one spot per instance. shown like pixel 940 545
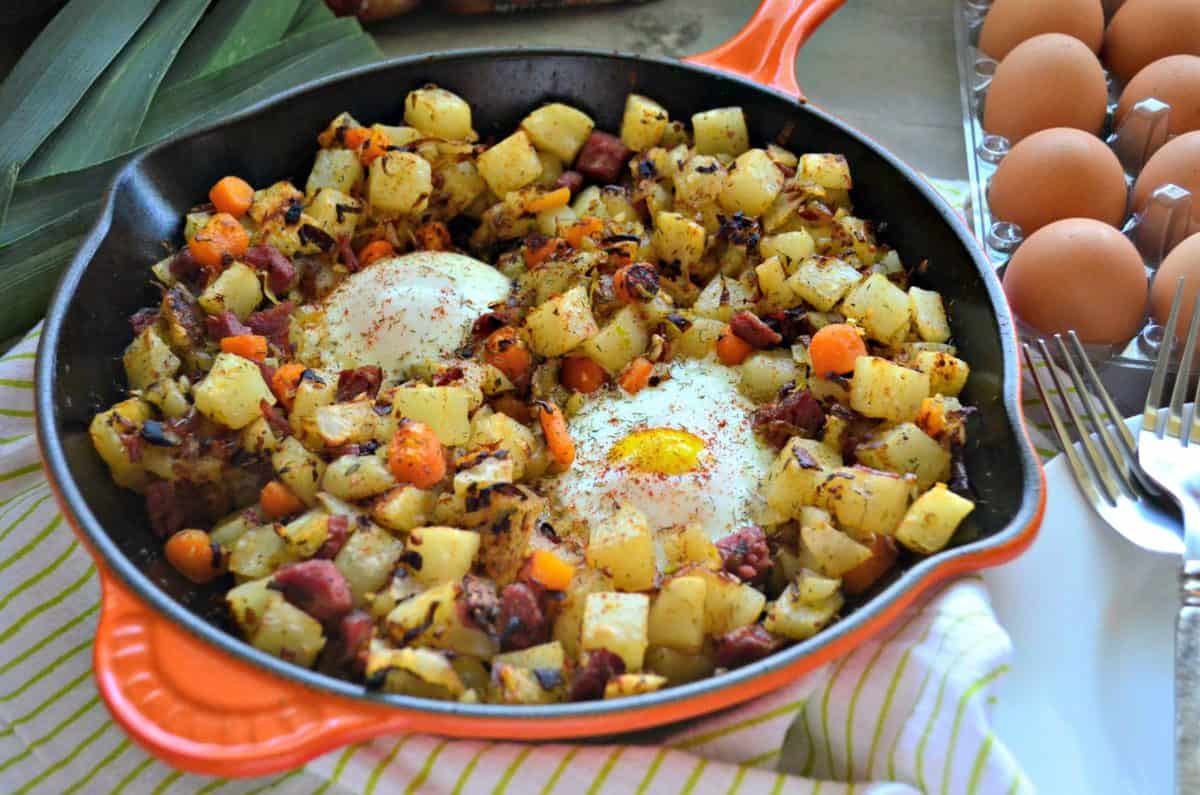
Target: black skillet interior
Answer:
pixel 81 371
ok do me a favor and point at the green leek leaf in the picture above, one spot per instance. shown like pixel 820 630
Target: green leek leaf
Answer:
pixel 55 72
pixel 233 31
pixel 37 203
pixel 32 268
pixel 310 14
pixel 117 102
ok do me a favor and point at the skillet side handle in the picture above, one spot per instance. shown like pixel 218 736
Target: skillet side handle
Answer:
pixel 765 49
pixel 200 710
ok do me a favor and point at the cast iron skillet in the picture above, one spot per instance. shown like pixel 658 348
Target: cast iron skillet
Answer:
pixel 208 702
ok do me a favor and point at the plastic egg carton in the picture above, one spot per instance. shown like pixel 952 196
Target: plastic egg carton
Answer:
pixel 1124 369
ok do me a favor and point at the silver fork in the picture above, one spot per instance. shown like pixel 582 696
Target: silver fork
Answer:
pixel 1163 452
pixel 1107 473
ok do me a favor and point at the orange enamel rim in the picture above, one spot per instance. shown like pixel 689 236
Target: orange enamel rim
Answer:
pixel 208 703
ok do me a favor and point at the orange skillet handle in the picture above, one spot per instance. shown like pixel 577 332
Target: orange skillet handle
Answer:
pixel 765 49
pixel 201 710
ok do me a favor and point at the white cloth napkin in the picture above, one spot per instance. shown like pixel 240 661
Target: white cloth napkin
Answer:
pixel 905 713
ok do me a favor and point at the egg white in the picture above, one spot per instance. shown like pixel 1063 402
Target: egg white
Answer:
pixel 722 492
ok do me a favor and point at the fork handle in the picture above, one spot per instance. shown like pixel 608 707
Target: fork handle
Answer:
pixel 1187 682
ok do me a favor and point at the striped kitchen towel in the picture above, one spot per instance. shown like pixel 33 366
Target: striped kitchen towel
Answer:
pixel 903 714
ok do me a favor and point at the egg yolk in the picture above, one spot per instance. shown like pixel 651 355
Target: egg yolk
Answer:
pixel 663 451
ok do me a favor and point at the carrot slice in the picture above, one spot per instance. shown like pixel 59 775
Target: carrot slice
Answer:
pixel 278 501
pixel 375 250
pixel 508 353
pixel 558 438
pixel 584 227
pixel 835 348
pixel 248 346
pixel 232 195
pixel 220 240
pixel 637 375
pixel 415 455
pixel 194 555
pixel 374 145
pixel 549 201
pixel 732 349
pixel 550 571
pixel 537 254
pixel 513 407
pixel 433 236
pixel 285 381
pixel 581 374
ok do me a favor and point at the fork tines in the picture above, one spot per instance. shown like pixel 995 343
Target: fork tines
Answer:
pixel 1152 420
pixel 1111 470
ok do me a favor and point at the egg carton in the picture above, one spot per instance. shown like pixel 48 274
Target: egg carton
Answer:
pixel 1165 221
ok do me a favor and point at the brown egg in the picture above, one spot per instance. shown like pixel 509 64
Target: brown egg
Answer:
pixel 1177 162
pixel 1143 31
pixel 1078 274
pixel 1010 22
pixel 1174 80
pixel 1183 261
pixel 1051 80
pixel 1056 174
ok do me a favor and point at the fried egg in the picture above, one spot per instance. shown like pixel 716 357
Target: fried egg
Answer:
pixel 401 311
pixel 681 452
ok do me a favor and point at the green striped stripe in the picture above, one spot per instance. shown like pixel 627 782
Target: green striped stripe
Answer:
pixel 961 711
pixel 655 764
pixel 16 383
pixel 927 732
pixel 131 775
pixel 470 768
pixel 511 771
pixel 37 611
pixel 701 739
pixel 16 473
pixel 34 487
pixel 1016 786
pixel 977 768
pixel 12 439
pixel 736 784
pixel 12 356
pixel 48 639
pixel 377 771
pixel 825 713
pixel 338 769
pixel 779 781
pixel 212 786
pixel 694 778
pixel 45 705
pixel 66 760
pixel 40 575
pixel 45 738
pixel 423 773
pixel 47 670
pixel 811 758
pixel 605 771
pixel 755 761
pixel 16 522
pixel 275 782
pixel 26 413
pixel 558 771
pixel 166 782
pixel 109 758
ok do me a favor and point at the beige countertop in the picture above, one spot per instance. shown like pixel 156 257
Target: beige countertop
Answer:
pixel 885 66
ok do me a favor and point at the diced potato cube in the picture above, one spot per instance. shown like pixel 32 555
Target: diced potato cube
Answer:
pixel 561 323
pixel 617 622
pixel 906 448
pixel 447 553
pixel 932 520
pixel 231 392
pixel 236 290
pixel 865 501
pixel 677 614
pixel 357 477
pixel 346 423
pixel 782 156
pixel 336 213
pixel 943 419
pixel 307 532
pixel 677 666
pixel 413 671
pixel 623 547
pixel 728 602
pixel 568 624
pixel 545 656
pixel 721 131
pixel 700 338
pixel 149 359
pixel 699 182
pixel 627 685
pixel 167 395
pixel 227 531
pixel 512 684
pixel 445 409
pixel 823 281
pixel 558 129
pixel 258 553
pixel 929 315
pixel 833 552
pixel 402 135
pixel 684 545
pixel 367 560
pixel 752 184
pixel 801 466
pixel 773 283
pixel 193 223
pixel 403 508
pixel 622 338
pixel 721 298
pixel 314 392
pixel 643 123
pixel 273 200
pixel 300 470
pixel 507 543
pixel 461 186
pixel 881 307
pixel 501 432
pixel 513 163
pixel 290 633
pixel 248 603
pixel 813 588
pixel 793 247
pixel 678 239
pixel 339 169
pixel 399 183
pixel 483 475
pixel 828 171
pixel 438 113
pixel 764 373
pixel 947 374
pixel 792 618
pixel 887 390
